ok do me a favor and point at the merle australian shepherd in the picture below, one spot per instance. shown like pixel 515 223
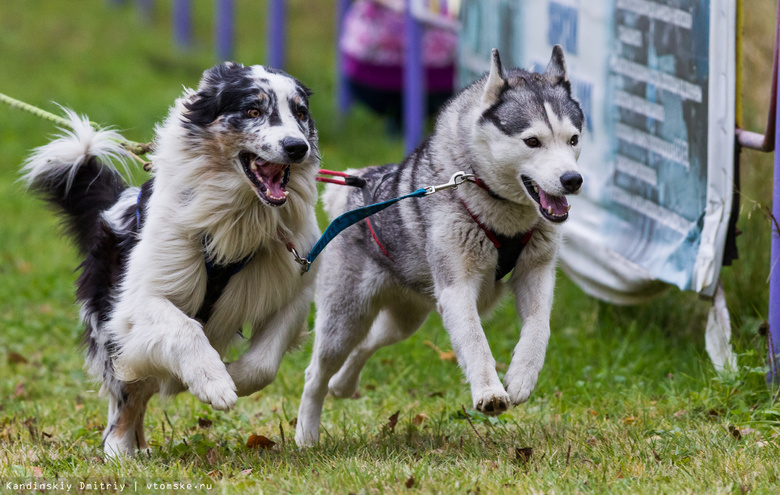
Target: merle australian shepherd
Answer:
pixel 173 269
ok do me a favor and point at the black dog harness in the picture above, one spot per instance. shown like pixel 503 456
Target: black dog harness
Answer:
pixel 217 276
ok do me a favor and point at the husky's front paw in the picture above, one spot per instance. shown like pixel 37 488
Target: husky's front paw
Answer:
pixel 219 392
pixel 491 401
pixel 520 381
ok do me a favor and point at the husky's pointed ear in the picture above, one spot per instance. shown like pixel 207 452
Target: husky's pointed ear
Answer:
pixel 556 69
pixel 496 82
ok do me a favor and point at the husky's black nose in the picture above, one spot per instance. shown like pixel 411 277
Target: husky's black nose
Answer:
pixel 571 181
pixel 295 148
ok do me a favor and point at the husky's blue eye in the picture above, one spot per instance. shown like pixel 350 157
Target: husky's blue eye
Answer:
pixel 532 142
pixel 574 140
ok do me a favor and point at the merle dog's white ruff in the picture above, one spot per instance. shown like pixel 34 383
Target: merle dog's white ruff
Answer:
pixel 519 133
pixel 234 165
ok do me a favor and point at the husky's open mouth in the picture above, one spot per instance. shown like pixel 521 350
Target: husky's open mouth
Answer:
pixel 553 208
pixel 268 178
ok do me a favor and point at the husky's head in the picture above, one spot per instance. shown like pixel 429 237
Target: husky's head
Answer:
pixel 256 119
pixel 530 130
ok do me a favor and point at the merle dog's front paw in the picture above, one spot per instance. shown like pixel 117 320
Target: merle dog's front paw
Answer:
pixel 491 401
pixel 219 392
pixel 520 381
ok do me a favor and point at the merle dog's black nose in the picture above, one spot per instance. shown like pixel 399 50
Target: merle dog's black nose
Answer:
pixel 295 148
pixel 571 181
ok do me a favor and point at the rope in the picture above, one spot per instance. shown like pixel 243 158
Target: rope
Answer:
pixel 131 146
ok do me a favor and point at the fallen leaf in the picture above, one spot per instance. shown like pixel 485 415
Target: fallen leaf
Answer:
pixel 630 420
pixel 19 390
pixel 294 422
pixel 420 419
pixel 443 355
pixel 78 407
pixel 16 358
pixel 735 432
pixel 746 430
pixel 37 472
pixel 246 472
pixel 392 421
pixel 214 474
pixel 592 441
pixel 593 412
pixel 23 267
pixel 523 454
pixel 657 457
pixel 211 456
pixel 410 482
pixel 204 423
pixel 259 441
pixel 680 413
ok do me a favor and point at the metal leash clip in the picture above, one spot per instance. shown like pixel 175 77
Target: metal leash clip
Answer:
pixel 457 179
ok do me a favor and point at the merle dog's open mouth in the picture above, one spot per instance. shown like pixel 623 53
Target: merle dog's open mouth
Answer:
pixel 553 208
pixel 268 178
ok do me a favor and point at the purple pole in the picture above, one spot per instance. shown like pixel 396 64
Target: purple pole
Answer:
pixel 277 32
pixel 343 96
pixel 224 29
pixel 414 81
pixel 182 22
pixel 774 260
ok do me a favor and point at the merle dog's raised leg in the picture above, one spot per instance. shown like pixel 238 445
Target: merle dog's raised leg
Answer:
pixel 157 337
pixel 343 319
pixel 533 283
pixel 457 304
pixel 127 402
pixel 394 324
pixel 258 366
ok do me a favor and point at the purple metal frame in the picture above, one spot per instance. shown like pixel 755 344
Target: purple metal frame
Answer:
pixel 343 96
pixel 224 29
pixel 182 23
pixel 277 32
pixel 414 81
pixel 767 143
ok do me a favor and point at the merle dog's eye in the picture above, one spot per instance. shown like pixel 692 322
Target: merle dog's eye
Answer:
pixel 253 113
pixel 532 142
pixel 574 140
pixel 302 114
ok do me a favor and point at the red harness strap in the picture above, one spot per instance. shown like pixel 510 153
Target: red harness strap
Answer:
pixel 509 248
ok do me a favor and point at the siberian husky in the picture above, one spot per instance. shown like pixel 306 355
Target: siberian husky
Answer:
pixel 173 269
pixel 519 133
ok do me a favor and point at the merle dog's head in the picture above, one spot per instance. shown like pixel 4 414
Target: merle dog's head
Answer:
pixel 530 128
pixel 258 119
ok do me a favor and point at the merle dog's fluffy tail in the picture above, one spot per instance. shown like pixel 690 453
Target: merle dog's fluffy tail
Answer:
pixel 74 174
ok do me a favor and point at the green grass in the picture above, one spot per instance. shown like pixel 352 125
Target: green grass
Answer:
pixel 627 402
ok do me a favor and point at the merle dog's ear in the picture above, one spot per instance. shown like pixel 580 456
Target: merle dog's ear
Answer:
pixel 496 82
pixel 556 69
pixel 204 106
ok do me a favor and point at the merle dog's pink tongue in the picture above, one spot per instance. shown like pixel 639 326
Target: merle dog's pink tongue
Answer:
pixel 272 175
pixel 558 203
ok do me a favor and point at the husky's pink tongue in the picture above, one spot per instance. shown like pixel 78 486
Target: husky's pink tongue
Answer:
pixel 558 204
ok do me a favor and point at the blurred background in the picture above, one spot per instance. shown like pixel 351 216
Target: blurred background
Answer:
pixel 118 63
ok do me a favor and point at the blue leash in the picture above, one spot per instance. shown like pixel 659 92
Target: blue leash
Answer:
pixel 354 216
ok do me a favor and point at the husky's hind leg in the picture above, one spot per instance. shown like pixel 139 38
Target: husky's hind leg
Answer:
pixel 343 319
pixel 127 402
pixel 394 324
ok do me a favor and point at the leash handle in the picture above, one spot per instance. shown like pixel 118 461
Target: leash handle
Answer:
pixel 351 218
